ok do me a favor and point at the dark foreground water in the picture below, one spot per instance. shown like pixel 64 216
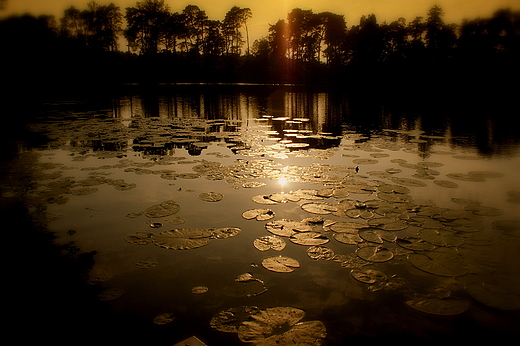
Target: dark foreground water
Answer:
pixel 262 215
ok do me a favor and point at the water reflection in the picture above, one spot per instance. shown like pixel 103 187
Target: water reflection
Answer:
pixel 351 196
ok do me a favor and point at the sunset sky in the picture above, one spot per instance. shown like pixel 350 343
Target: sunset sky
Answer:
pixel 267 12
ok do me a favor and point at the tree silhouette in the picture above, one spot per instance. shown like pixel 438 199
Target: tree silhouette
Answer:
pixel 146 26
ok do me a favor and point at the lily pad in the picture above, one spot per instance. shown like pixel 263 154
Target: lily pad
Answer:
pixel 415 244
pixel 441 261
pixel 388 224
pixel 229 320
pixel 140 238
pixel 163 209
pixel 446 183
pixel 408 182
pixel 110 294
pixel 263 199
pixel 322 208
pixel 509 227
pixel 164 318
pixel 439 306
pixel 320 253
pixel 494 295
pixel 224 232
pixel 199 289
pixel 262 328
pixel 368 276
pixel 269 242
pixel 347 227
pixel 287 228
pixel 211 196
pixel 280 264
pixel 260 214
pixel 375 254
pixel 348 238
pixel 183 238
pixel 440 237
pixel 375 235
pixel 309 238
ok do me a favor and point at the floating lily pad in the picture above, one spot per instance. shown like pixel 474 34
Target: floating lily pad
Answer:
pixel 368 276
pixel 260 214
pixel 163 209
pixel 287 228
pixel 440 237
pixel 365 161
pixel 146 264
pixel 110 294
pixel 269 242
pixel 375 235
pixel 439 306
pixel 483 210
pixel 183 238
pixel 494 295
pixel 375 254
pixel 509 227
pixel 441 261
pixel 408 182
pixel 348 238
pixel 282 197
pixel 320 253
pixel 199 289
pixel 229 321
pixel 415 244
pixel 347 227
pixel 446 183
pixel 164 318
pixel 262 328
pixel 322 208
pixel 465 177
pixel 211 196
pixel 253 184
pixel 140 238
pixel 225 232
pixel 280 264
pixel 309 238
pixel 388 224
pixel 263 199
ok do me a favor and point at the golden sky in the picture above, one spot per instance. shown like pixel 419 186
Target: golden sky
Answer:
pixel 267 12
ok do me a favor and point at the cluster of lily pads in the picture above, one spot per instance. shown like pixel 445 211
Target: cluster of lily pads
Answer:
pixel 179 238
pixel 440 241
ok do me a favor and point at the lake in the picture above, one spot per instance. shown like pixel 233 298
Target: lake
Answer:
pixel 277 214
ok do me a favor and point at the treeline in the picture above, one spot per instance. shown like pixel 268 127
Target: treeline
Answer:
pixel 164 46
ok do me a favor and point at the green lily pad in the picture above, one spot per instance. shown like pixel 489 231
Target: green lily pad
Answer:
pixel 163 209
pixel 280 264
pixel 441 261
pixel 183 238
pixel 439 306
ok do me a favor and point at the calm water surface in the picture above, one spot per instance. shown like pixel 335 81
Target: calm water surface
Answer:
pixel 433 253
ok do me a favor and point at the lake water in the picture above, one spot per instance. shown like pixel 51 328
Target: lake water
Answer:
pixel 370 220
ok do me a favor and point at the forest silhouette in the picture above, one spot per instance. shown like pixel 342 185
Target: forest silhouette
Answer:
pixel 86 47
